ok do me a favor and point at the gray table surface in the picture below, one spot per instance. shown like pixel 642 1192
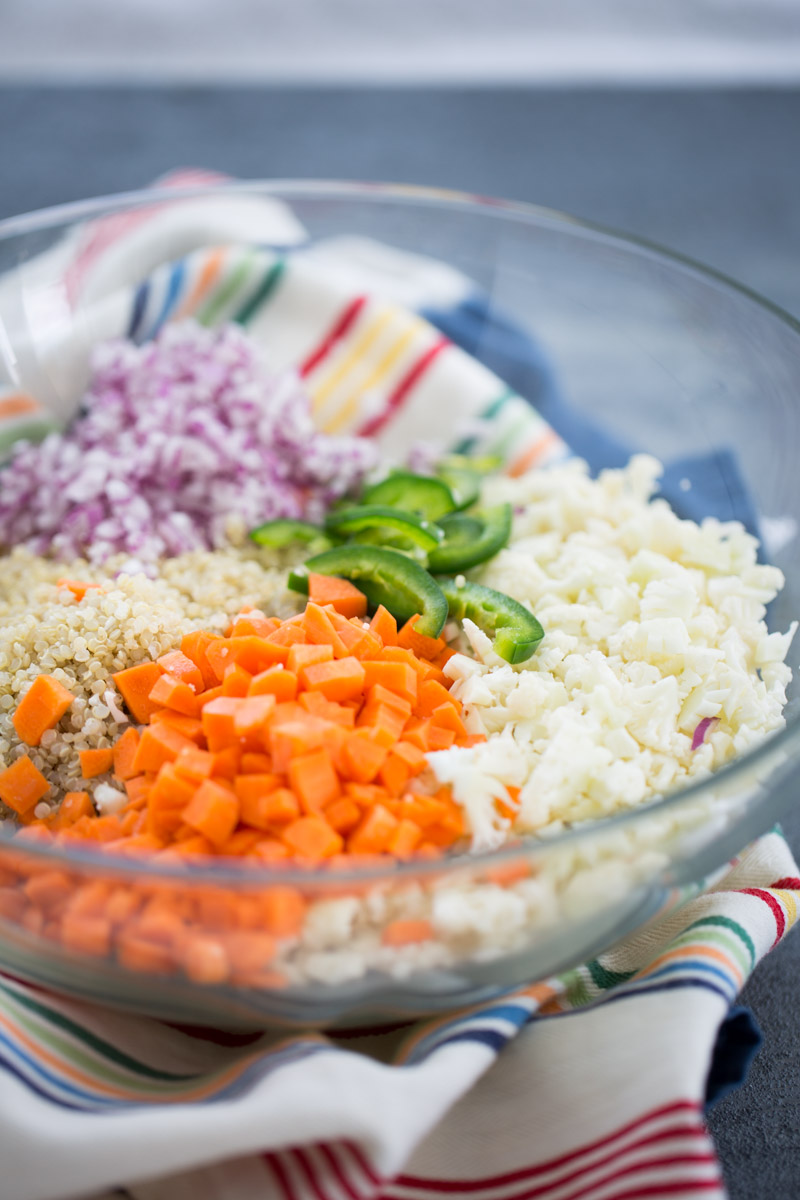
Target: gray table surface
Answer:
pixel 715 174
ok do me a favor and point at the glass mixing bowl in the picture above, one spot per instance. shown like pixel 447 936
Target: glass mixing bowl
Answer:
pixel 661 354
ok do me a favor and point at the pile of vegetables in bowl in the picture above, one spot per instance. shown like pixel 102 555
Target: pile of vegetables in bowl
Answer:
pixel 378 668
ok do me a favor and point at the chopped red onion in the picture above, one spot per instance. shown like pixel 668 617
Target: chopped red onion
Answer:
pixel 175 439
pixel 700 732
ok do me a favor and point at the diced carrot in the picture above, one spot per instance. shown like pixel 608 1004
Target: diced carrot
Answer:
pixel 242 841
pixel 288 635
pixel 406 933
pixel 219 655
pixel 135 685
pixel 40 709
pixel 250 719
pixel 351 633
pixel 281 806
pixel 375 831
pixel 205 960
pixel 104 829
pixel 303 655
pixel 343 815
pixel 74 806
pixel 227 763
pixel 412 755
pixel 293 738
pixel 453 819
pixel 169 692
pixel 440 738
pixel 197 844
pixel 423 810
pixel 287 712
pixel 343 595
pixel 361 643
pixel 194 646
pixel 33 921
pixel 363 756
pixel 158 744
pixel 416 733
pixel 255 764
pixel 181 667
pixel 140 845
pixel 313 780
pixel 48 890
pixel 432 695
pixel 254 623
pixel 320 630
pixel 422 646
pixel 137 788
pixel 194 763
pixel 125 753
pixel 90 899
pixel 397 677
pixel 250 953
pixel 22 786
pixel 271 851
pixel 87 935
pixel 283 910
pixel 95 762
pixel 236 681
pixel 445 716
pixel 190 727
pixel 405 838
pixel 394 774
pixel 328 710
pixel 439 835
pixel 386 723
pixel 12 904
pixel 121 905
pixel 277 682
pixel 257 654
pixel 312 837
pixel 213 811
pixel 252 790
pixel 140 954
pixel 171 789
pixel 365 794
pixel 384 626
pixel 218 722
pixel 504 874
pixel 133 821
pixel 78 588
pixel 378 694
pixel 443 657
pixel 397 654
pixel 342 680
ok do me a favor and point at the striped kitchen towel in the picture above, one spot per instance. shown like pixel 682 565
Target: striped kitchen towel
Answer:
pixel 590 1085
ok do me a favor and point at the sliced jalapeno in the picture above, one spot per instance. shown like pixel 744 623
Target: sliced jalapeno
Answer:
pixel 375 516
pixel 515 632
pixel 385 577
pixel 462 548
pixel 464 484
pixel 286 532
pixel 424 495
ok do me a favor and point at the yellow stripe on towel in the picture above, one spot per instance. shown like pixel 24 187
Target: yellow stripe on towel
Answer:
pixel 350 407
pixel 379 322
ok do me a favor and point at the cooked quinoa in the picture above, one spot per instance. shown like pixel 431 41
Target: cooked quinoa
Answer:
pixel 133 618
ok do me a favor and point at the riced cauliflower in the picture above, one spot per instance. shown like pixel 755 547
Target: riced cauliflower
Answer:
pixel 655 640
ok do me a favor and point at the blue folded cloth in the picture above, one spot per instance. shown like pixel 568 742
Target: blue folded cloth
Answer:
pixel 696 486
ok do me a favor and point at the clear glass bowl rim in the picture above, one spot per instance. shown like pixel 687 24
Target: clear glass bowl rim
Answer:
pixel 785 742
